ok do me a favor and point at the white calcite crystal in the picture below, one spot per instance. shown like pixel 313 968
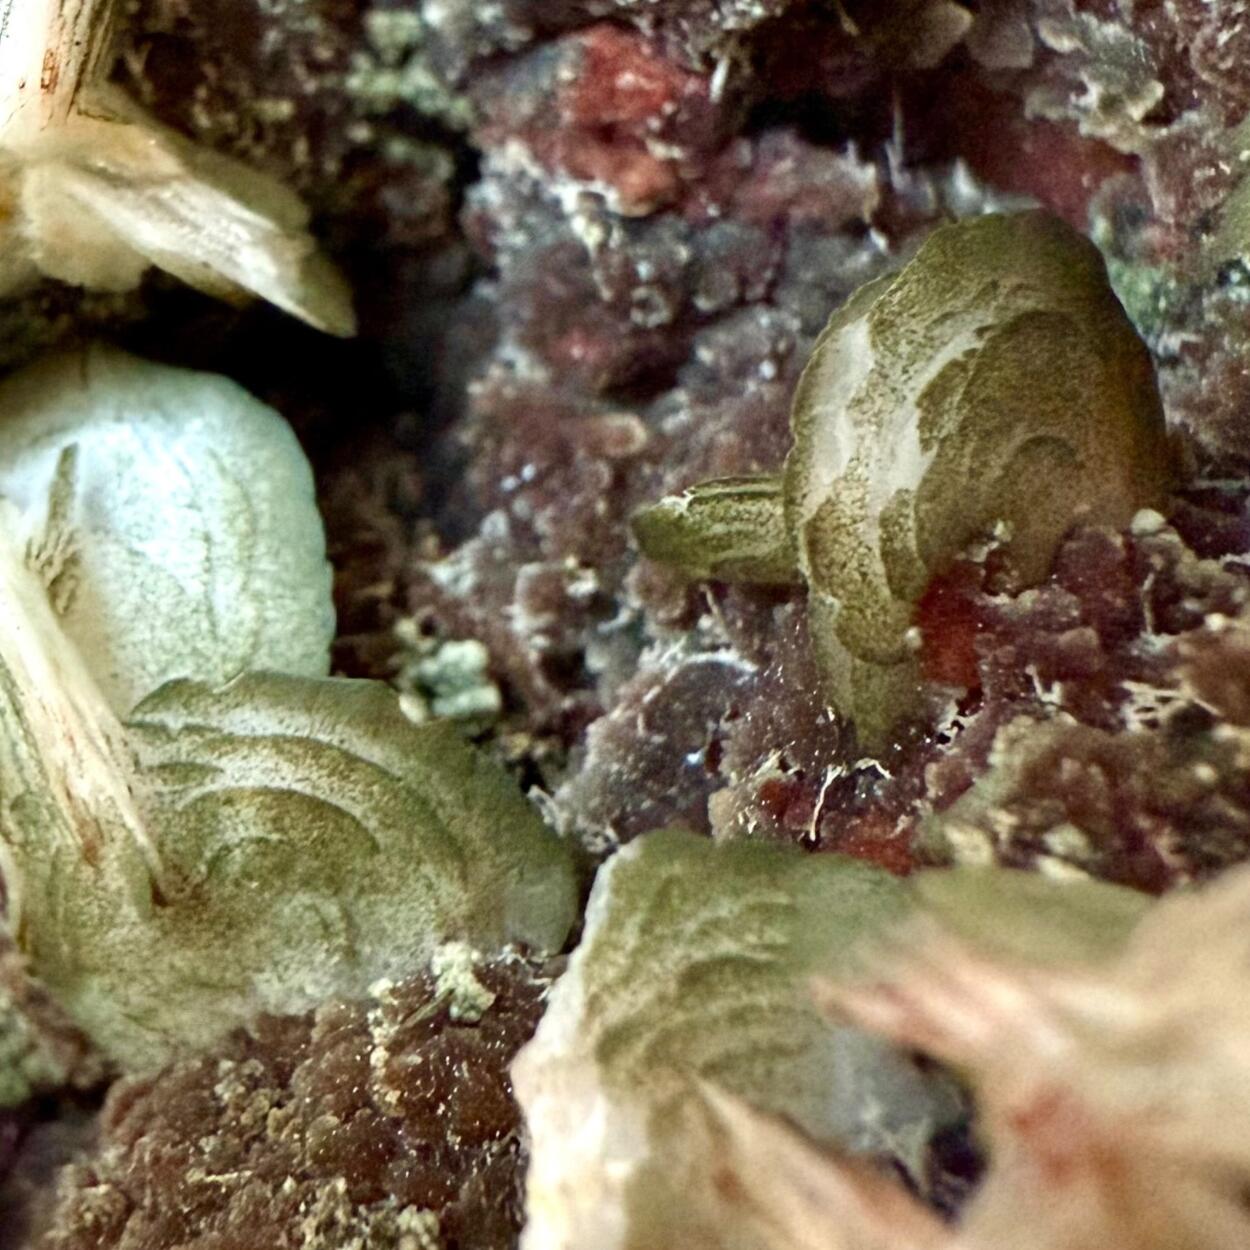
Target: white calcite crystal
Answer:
pixel 173 516
pixel 94 192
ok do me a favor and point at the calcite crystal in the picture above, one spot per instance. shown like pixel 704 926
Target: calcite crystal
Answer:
pixel 992 388
pixel 175 515
pixel 694 968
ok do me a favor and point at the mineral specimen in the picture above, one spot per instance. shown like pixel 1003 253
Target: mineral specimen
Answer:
pixel 592 243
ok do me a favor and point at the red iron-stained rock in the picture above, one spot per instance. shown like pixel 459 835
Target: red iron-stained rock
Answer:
pixel 381 1120
pixel 603 108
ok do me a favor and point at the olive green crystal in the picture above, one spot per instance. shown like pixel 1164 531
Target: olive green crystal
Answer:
pixel 991 388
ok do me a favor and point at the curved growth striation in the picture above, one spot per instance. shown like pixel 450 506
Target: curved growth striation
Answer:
pixel 694 968
pixel 224 850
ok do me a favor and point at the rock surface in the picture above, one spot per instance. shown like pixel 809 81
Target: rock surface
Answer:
pixel 386 1123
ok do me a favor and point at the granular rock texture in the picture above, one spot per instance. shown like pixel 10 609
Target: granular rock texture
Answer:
pixel 1128 661
pixel 387 1123
pixel 1104 738
pixel 324 94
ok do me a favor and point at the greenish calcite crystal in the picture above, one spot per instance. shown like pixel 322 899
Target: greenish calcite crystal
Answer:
pixel 731 529
pixel 281 841
pixel 1014 914
pixel 696 957
pixel 298 839
pixel 696 988
pixel 695 967
pixel 992 387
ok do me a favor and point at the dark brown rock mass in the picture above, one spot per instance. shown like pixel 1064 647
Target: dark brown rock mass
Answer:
pixel 384 1123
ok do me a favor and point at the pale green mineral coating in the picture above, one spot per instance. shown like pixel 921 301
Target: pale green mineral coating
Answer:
pixel 696 958
pixel 995 379
pixel 1009 914
pixel 306 839
pixel 187 526
pixel 394 67
pixel 454 967
pixel 993 385
pixel 452 680
pixel 1231 240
